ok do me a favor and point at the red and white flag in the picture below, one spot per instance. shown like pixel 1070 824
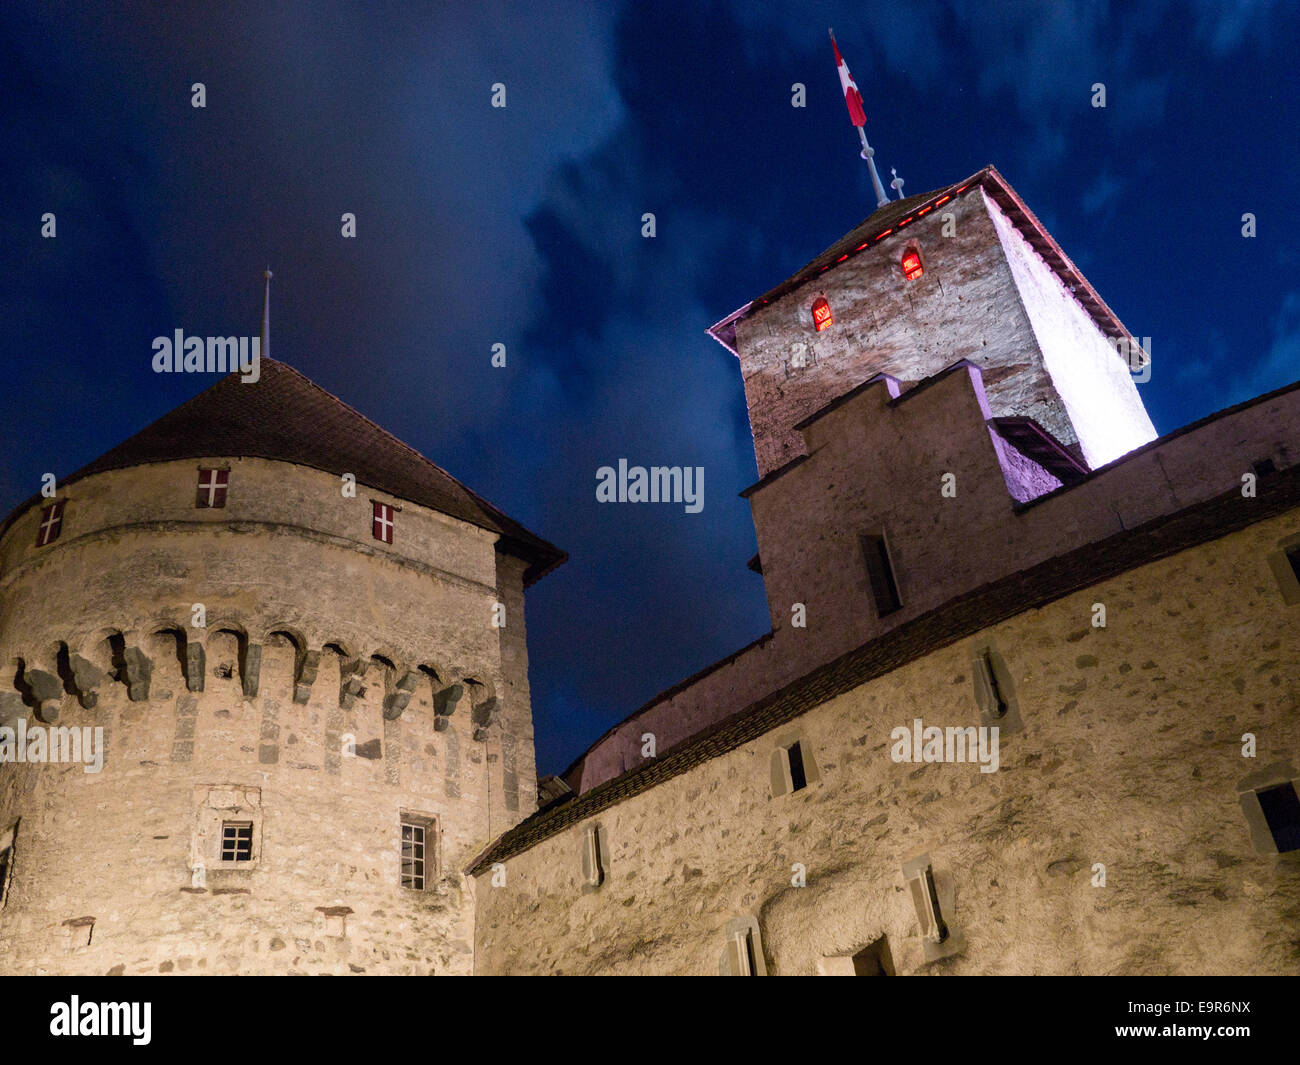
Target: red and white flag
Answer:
pixel 852 97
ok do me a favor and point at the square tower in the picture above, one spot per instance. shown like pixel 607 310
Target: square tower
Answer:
pixel 965 272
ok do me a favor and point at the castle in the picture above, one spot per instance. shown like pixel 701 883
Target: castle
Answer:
pixel 302 648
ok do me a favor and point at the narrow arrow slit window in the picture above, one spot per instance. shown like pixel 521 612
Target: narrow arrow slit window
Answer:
pixel 880 574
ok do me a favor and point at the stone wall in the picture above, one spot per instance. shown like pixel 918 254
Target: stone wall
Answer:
pixel 810 517
pixel 1130 756
pixel 982 297
pixel 323 758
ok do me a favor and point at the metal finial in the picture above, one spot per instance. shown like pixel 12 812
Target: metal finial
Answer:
pixel 897 183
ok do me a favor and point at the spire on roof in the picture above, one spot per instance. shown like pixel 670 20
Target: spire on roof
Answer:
pixel 266 315
pixel 897 183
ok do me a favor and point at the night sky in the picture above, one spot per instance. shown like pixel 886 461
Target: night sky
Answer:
pixel 522 226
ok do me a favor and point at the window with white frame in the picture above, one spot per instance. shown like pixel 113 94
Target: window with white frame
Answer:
pixel 236 841
pixel 419 839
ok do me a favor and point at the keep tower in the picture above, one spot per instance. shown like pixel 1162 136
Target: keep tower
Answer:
pixel 311 715
pixel 964 272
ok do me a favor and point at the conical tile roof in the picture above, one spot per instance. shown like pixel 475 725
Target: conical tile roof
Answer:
pixel 287 417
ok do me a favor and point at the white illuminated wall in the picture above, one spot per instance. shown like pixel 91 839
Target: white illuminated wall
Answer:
pixel 1092 379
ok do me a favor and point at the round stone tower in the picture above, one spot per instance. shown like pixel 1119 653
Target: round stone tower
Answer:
pixel 263 695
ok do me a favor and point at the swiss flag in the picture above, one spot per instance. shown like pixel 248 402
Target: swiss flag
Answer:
pixel 852 97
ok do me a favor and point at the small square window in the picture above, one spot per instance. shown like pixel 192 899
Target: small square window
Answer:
pixel 51 523
pixel 382 525
pixel 213 485
pixel 1263 467
pixel 1281 808
pixel 1293 559
pixel 6 856
pixel 236 841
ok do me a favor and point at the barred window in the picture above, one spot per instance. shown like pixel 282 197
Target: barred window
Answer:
pixel 236 841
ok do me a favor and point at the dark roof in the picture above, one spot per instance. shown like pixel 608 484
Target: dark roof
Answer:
pixel 287 417
pixel 1039 445
pixel 889 221
pixel 957 619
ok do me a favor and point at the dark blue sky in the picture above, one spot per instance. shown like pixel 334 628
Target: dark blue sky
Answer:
pixel 523 226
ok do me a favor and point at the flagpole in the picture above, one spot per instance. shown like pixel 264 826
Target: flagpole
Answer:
pixel 868 153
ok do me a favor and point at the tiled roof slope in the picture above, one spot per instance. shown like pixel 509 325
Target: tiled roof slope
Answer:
pixel 287 417
pixel 957 619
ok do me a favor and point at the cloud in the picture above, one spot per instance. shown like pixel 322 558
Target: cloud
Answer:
pixel 1101 193
pixel 1281 365
pixel 1226 25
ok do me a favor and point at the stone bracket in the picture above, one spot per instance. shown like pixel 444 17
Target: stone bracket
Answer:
pixel 351 673
pixel 304 675
pixel 136 671
pixel 481 717
pixel 86 677
pixel 396 700
pixel 47 693
pixel 444 705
